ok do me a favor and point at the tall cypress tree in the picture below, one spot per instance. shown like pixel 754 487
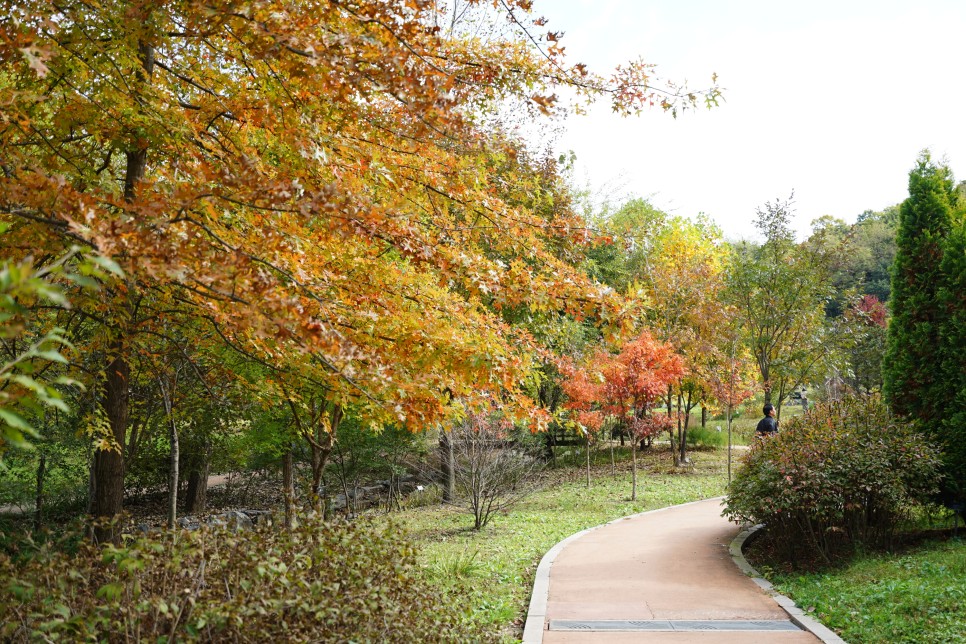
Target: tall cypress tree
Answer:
pixel 951 389
pixel 913 360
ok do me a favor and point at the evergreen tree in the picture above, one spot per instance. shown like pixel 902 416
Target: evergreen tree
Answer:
pixel 913 356
pixel 951 390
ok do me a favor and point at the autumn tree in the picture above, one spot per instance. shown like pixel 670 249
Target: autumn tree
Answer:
pixel 780 289
pixel 681 282
pixel 865 325
pixel 626 388
pixel 310 180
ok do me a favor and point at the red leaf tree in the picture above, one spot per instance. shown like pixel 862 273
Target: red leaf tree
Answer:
pixel 624 389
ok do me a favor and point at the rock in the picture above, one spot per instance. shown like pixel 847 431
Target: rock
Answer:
pixel 258 516
pixel 189 523
pixel 232 518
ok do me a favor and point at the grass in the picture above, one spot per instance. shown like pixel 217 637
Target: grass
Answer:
pixel 918 596
pixel 492 571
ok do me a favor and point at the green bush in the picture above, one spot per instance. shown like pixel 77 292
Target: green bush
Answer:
pixel 841 475
pixel 708 436
pixel 318 582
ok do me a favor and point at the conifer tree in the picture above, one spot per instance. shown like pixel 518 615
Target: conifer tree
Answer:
pixel 913 355
pixel 950 393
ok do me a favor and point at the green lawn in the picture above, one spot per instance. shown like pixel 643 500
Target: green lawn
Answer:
pixel 917 597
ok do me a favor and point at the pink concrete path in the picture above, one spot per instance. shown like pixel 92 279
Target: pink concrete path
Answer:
pixel 672 564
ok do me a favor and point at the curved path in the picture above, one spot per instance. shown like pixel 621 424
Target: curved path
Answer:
pixel 661 576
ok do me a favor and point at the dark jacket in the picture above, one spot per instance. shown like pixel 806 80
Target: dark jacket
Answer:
pixel 767 425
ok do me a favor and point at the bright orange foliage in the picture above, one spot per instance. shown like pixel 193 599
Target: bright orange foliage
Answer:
pixel 309 178
pixel 309 181
pixel 626 386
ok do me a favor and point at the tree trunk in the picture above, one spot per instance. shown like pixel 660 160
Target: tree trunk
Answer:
pixel 173 476
pixel 704 417
pixel 320 456
pixel 39 504
pixel 288 487
pixel 109 465
pixel 447 467
pixel 167 396
pixel 196 497
pixel 678 449
pixel 684 433
pixel 633 474
pixel 173 473
pixel 322 449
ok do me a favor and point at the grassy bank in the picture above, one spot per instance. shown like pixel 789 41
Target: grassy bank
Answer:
pixel 918 596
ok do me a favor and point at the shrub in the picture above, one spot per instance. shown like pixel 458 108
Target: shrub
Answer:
pixel 318 582
pixel 492 471
pixel 844 473
pixel 707 437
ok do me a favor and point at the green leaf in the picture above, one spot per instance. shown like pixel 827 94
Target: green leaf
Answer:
pixel 83 280
pixel 108 264
pixel 70 382
pixel 110 592
pixel 14 420
pixel 53 356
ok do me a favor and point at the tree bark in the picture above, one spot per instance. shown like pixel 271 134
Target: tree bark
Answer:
pixel 447 467
pixel 109 465
pixel 322 449
pixel 633 474
pixel 168 395
pixel 39 505
pixel 288 487
pixel 196 497
pixel 684 433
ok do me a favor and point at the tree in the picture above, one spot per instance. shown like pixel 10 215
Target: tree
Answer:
pixel 619 256
pixel 682 282
pixel 309 180
pixel 873 248
pixel 865 324
pixel 625 388
pixel 911 370
pixel 951 392
pixel 780 290
pixel 492 473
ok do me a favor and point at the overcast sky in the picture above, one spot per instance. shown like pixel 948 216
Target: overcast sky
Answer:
pixel 833 100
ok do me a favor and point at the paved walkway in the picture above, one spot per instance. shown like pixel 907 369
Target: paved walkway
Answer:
pixel 669 572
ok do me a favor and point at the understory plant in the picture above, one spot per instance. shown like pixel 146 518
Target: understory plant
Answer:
pixel 840 476
pixel 332 582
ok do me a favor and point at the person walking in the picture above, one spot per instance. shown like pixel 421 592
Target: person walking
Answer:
pixel 767 425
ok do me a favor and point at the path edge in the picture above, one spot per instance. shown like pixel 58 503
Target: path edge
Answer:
pixel 537 612
pixel 796 614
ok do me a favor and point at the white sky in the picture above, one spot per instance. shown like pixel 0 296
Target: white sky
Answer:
pixel 831 99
